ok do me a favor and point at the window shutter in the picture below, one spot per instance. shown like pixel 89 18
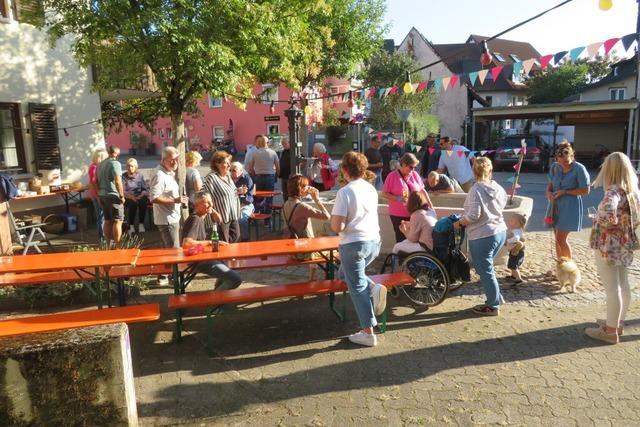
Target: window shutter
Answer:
pixel 44 131
pixel 29 11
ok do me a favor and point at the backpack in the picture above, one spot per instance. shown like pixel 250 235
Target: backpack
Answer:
pixel 8 187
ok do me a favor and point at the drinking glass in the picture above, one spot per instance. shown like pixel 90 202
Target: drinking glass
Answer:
pixel 592 212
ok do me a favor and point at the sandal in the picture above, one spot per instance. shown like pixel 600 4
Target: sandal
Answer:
pixel 485 310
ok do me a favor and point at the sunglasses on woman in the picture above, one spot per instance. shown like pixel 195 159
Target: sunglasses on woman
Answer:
pixel 563 153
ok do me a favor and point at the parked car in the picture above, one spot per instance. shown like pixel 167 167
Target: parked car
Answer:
pixel 537 156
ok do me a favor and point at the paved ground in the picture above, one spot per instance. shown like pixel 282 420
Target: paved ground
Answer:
pixel 289 363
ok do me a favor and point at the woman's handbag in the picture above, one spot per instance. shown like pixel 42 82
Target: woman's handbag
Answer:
pixel 633 219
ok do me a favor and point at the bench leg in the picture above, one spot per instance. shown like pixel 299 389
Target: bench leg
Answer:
pixel 383 318
pixel 211 312
pixel 99 286
pixel 179 314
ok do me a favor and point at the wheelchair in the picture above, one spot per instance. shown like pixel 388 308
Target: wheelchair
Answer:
pixel 431 271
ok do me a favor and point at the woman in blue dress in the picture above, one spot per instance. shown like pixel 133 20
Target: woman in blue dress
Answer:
pixel 568 182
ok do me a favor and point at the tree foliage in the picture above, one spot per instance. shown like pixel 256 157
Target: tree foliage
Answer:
pixel 557 83
pixel 386 70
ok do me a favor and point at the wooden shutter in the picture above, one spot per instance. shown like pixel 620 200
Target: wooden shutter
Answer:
pixel 44 131
pixel 29 11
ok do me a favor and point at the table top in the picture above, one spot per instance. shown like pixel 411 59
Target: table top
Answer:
pixel 262 248
pixel 67 260
pixel 265 193
pixel 53 193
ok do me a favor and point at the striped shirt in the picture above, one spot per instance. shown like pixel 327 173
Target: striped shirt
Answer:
pixel 224 196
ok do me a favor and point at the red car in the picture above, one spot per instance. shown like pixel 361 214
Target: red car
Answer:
pixel 537 156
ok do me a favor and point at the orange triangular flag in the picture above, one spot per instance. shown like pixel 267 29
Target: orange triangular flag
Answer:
pixel 482 74
pixel 527 65
pixel 592 49
pixel 445 83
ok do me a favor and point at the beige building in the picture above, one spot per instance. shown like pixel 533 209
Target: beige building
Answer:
pixel 49 118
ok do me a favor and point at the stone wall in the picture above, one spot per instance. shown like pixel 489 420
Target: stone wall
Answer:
pixel 75 377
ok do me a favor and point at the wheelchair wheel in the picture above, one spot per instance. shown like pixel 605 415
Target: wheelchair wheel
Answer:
pixel 432 279
pixel 456 285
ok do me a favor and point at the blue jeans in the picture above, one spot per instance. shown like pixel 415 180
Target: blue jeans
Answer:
pixel 354 258
pixel 264 183
pixel 245 213
pixel 97 209
pixel 227 278
pixel 483 251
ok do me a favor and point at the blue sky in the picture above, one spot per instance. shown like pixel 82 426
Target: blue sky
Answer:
pixel 575 24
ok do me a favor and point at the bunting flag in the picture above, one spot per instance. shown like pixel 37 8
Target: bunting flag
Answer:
pixel 473 77
pixel 387 91
pixel 437 84
pixel 373 92
pixel 381 92
pixel 393 90
pixel 482 74
pixel 483 152
pixel 517 68
pixel 461 153
pixel 511 179
pixel 431 150
pixel 449 153
pixel 445 82
pixel 609 44
pixel 544 61
pixel 628 40
pixel 516 167
pixel 575 53
pixel 527 65
pixel 593 49
pixel 414 87
pixel 558 57
pixel 453 81
pixel 421 87
pixel 516 151
pixel 495 72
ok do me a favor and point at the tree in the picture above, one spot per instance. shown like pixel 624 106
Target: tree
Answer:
pixel 190 47
pixel 555 84
pixel 385 70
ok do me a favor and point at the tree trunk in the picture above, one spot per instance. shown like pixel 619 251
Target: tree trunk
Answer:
pixel 177 127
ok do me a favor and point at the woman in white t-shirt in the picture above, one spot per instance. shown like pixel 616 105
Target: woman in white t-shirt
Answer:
pixel 355 217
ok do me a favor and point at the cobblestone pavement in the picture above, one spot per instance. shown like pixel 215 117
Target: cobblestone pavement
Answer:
pixel 289 363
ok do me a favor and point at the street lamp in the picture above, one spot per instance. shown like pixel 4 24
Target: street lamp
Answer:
pixel 294 113
pixel 404 116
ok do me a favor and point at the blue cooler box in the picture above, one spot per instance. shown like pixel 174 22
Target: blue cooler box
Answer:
pixel 70 222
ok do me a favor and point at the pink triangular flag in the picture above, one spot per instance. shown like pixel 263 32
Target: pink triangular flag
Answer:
pixel 482 74
pixel 445 83
pixel 421 86
pixel 516 151
pixel 372 92
pixel 414 87
pixel 544 61
pixel 454 80
pixel 460 153
pixel 495 72
pixel 431 150
pixel 608 45
pixel 393 90
pixel 527 65
pixel 592 49
pixel 517 167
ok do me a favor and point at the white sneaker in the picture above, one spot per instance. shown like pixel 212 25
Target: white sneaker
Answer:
pixel 361 338
pixel 141 228
pixel 379 296
pixel 132 229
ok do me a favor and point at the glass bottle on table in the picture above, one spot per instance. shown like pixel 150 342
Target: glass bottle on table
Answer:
pixel 215 239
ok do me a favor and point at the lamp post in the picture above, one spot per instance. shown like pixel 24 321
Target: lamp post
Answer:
pixel 293 115
pixel 404 116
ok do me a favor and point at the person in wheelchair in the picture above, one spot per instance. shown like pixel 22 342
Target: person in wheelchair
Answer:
pixel 418 230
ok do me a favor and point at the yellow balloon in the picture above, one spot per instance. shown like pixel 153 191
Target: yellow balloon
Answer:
pixel 407 88
pixel 308 110
pixel 605 4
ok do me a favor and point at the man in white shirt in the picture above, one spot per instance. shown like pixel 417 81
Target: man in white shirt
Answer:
pixel 456 160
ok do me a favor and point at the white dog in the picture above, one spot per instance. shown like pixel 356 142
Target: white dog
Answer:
pixel 568 273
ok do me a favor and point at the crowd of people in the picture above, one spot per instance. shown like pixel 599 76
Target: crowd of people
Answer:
pixel 226 197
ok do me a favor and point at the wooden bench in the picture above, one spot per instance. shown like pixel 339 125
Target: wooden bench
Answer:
pixel 79 319
pixel 211 300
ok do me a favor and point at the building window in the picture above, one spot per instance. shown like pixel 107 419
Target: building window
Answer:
pixel 498 56
pixel 334 90
pixel 514 57
pixel 169 133
pixel 269 93
pixel 218 133
pixel 161 133
pixel 11 148
pixel 273 130
pixel 615 71
pixel 617 94
pixel 215 101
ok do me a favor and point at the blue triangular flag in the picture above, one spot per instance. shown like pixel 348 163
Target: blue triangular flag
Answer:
pixel 517 68
pixel 628 40
pixel 511 180
pixel 558 56
pixel 473 77
pixel 437 84
pixel 575 53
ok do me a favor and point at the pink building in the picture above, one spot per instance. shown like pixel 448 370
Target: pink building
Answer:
pixel 220 119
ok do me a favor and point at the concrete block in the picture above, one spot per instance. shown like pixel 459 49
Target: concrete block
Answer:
pixel 80 376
